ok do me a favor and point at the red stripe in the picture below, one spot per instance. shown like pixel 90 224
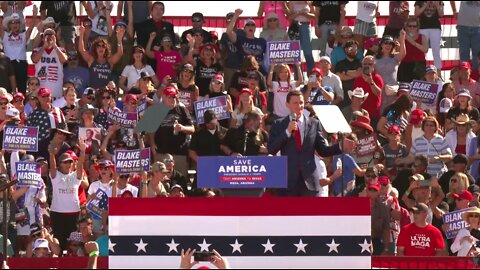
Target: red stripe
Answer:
pixel 239 206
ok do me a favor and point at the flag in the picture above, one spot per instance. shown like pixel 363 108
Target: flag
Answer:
pixel 249 232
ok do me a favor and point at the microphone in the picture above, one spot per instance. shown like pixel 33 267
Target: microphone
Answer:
pixel 245 143
pixel 294 118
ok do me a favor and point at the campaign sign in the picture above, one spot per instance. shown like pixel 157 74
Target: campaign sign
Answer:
pixel 132 161
pixel 366 145
pixel 141 107
pixel 217 104
pixel 424 91
pixel 283 52
pixel 29 174
pixel 454 222
pixel 20 139
pixel 99 204
pixel 125 119
pixel 242 172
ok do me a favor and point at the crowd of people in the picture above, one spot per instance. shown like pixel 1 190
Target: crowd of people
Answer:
pixel 425 157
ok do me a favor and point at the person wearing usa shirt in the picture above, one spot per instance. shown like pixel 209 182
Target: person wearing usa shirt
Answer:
pixel 49 61
pixel 46 116
pixel 299 140
pixel 371 83
pixel 420 238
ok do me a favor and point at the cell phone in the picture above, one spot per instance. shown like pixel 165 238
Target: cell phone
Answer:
pixel 312 78
pixel 366 70
pixel 204 256
pixel 424 183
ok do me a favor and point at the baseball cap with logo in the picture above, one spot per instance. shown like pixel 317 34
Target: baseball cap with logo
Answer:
pixel 394 129
pixel 44 91
pixel 40 243
pixel 218 78
pixel 464 65
pixel 170 91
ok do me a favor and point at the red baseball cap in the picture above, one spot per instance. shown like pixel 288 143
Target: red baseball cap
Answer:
pixel 217 77
pixel 131 97
pixel 375 185
pixel 246 90
pixel 18 96
pixel 416 116
pixel 464 65
pixel 466 195
pixel 316 70
pixel 170 91
pixel 72 154
pixel 44 91
pixel 394 129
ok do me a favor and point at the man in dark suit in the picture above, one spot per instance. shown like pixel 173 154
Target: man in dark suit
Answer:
pixel 298 137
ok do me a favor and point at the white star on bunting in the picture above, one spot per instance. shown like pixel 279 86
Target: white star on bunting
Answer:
pixel 236 247
pixel 111 245
pixel 365 246
pixel 172 246
pixel 333 246
pixel 301 246
pixel 268 246
pixel 141 246
pixel 204 246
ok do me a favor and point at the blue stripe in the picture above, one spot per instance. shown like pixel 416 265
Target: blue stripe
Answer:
pixel 252 245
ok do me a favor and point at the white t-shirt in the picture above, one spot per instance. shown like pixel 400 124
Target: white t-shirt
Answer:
pixel 15 46
pixel 49 71
pixel 107 188
pixel 133 74
pixel 280 91
pixel 132 189
pixel 322 171
pixel 366 11
pixel 65 193
pixel 99 22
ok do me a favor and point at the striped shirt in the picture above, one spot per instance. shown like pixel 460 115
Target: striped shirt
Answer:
pixel 435 147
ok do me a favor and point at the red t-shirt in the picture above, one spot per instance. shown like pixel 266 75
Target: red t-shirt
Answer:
pixel 372 103
pixel 420 241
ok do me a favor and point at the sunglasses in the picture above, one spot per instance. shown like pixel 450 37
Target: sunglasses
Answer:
pixel 167 160
pixel 68 161
pixel 196 20
pixel 167 40
pixel 33 98
pixel 250 24
pixel 3 103
pixel 474 215
pixel 453 180
pixel 15 22
pixel 17 100
pixel 272 20
pixel 105 97
pixel 90 97
pixel 49 34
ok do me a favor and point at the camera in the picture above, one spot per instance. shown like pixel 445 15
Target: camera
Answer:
pixel 366 70
pixel 205 256
pixel 312 78
pixel 424 183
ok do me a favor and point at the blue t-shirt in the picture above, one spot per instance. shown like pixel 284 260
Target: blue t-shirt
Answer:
pixel 349 165
pixel 79 76
pixel 471 151
pixel 252 46
pixel 233 59
pixel 338 54
pixel 102 242
pixel 316 97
